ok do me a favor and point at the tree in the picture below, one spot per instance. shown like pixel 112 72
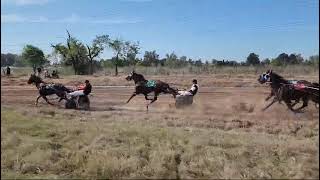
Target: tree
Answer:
pixel 266 61
pixel 74 53
pixel 171 60
pixel 313 60
pixel 150 58
pixel 253 59
pixel 96 48
pixel 117 46
pixel 8 59
pixel 130 52
pixel 33 56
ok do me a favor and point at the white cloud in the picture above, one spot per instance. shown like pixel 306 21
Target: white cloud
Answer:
pixel 25 2
pixel 14 18
pixel 74 18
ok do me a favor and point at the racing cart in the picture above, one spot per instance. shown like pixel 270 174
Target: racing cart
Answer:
pixel 81 102
pixel 183 101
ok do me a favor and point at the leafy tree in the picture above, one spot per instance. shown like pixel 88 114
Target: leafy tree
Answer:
pixel 8 59
pixel 74 53
pixel 117 46
pixel 313 60
pixel 198 63
pixel 150 58
pixel 266 61
pixel 130 52
pixel 171 60
pixel 33 56
pixel 96 48
pixel 253 59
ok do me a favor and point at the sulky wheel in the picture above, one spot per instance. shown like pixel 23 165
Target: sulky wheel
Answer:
pixel 70 104
pixel 183 101
pixel 84 102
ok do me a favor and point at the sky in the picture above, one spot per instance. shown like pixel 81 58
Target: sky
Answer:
pixel 206 29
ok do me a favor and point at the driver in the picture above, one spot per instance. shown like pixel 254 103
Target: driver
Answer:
pixel 86 90
pixel 193 90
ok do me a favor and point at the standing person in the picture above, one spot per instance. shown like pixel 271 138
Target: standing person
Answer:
pixel 8 71
pixel 193 90
pixel 39 71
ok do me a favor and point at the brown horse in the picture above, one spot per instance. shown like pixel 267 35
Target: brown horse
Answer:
pixel 290 90
pixel 48 89
pixel 145 87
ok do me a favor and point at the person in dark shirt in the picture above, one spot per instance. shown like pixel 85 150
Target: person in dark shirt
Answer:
pixel 193 90
pixel 87 89
pixel 8 71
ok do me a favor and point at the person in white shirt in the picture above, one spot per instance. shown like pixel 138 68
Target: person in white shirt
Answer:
pixel 193 90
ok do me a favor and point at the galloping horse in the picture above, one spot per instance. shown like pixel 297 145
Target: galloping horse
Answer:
pixel 290 90
pixel 48 89
pixel 145 87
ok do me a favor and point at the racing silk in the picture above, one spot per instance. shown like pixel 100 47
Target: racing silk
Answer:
pixel 194 89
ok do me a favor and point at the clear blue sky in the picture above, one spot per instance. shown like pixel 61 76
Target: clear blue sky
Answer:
pixel 221 29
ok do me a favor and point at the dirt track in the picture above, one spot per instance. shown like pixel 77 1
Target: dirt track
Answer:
pixel 228 103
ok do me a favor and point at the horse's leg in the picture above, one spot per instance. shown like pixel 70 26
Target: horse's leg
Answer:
pixel 295 102
pixel 62 96
pixel 133 95
pixel 270 95
pixel 273 101
pixel 38 100
pixel 45 98
pixel 153 100
pixel 146 97
pixel 305 103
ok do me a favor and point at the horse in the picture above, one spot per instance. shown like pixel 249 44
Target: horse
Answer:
pixel 46 89
pixel 143 86
pixel 289 90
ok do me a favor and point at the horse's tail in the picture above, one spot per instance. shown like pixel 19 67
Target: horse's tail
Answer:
pixel 66 89
pixel 61 87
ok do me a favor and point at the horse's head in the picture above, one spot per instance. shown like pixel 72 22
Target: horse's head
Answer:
pixel 130 76
pixel 265 77
pixel 135 77
pixel 34 79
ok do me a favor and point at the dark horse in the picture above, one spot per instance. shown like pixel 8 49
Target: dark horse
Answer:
pixel 145 87
pixel 288 90
pixel 48 89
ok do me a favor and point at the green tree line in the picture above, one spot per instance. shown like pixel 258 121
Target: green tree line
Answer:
pixel 84 58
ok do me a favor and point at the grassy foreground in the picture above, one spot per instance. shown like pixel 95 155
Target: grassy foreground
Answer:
pixel 56 144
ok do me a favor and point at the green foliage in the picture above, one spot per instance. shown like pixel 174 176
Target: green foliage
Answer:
pixel 171 60
pixel 96 48
pixel 150 58
pixel 12 60
pixel 33 55
pixel 253 59
pixel 74 53
pixel 313 60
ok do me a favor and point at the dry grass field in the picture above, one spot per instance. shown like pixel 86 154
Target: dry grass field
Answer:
pixel 224 134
